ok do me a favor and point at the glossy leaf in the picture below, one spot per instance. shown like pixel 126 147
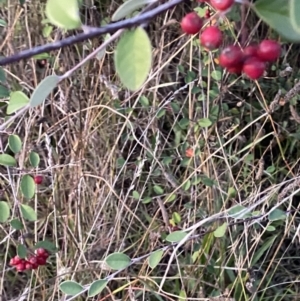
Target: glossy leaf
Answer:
pixel 17 101
pixel 221 230
pixel 117 261
pixel 4 211
pixel 43 90
pixel 63 14
pixel 7 160
pixel 15 143
pixel 276 13
pixel 295 14
pixel 27 186
pixel 28 213
pixel 71 287
pixel 133 58
pixel 176 236
pixel 34 159
pixel 129 7
pixel 97 287
pixel 155 258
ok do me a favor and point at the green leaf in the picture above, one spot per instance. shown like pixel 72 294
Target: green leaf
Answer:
pixel 34 159
pixel 43 90
pixel 277 214
pixel 97 287
pixel 47 245
pixel 186 186
pixel 204 122
pixel 216 74
pixel 276 13
pixel 22 251
pixel 176 217
pixel 16 224
pixel 28 213
pixel 155 258
pixel 176 236
pixel 17 101
pixel 266 245
pixel 144 101
pixel 158 190
pixel 221 230
pixel 4 211
pixel 184 123
pixel 135 195
pixel 133 58
pixel 15 143
pixel 2 75
pixel 7 160
pixel 238 211
pixel 4 92
pixel 129 7
pixel 295 14
pixel 71 288
pixel 27 186
pixel 117 261
pixel 3 23
pixel 63 14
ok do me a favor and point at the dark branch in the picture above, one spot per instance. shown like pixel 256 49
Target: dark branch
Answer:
pixel 92 33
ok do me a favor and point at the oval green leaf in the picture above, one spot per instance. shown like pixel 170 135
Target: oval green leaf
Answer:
pixel 221 230
pixel 15 143
pixel 238 211
pixel 277 214
pixel 63 14
pixel 47 245
pixel 28 213
pixel 4 92
pixel 16 224
pixel 155 258
pixel 133 58
pixel 276 13
pixel 117 261
pixel 17 101
pixel 158 190
pixel 43 90
pixel 295 14
pixel 97 287
pixel 27 186
pixel 34 159
pixel 176 236
pixel 204 122
pixel 71 288
pixel 129 7
pixel 22 251
pixel 7 160
pixel 4 211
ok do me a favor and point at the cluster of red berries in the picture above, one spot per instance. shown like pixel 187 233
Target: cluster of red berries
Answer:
pixel 250 60
pixel 31 263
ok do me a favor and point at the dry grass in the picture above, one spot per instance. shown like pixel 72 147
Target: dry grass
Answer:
pixel 99 145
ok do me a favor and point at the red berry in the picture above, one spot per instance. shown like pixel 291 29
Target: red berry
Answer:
pixel 40 252
pixel 20 267
pixel 32 260
pixel 231 56
pixel 41 260
pixel 221 4
pixel 28 266
pixel 34 266
pixel 38 179
pixel 12 262
pixel 16 260
pixel 269 50
pixel 236 70
pixel 250 51
pixel 211 37
pixel 254 68
pixel 191 23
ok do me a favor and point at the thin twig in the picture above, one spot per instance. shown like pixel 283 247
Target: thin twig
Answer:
pixel 91 33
